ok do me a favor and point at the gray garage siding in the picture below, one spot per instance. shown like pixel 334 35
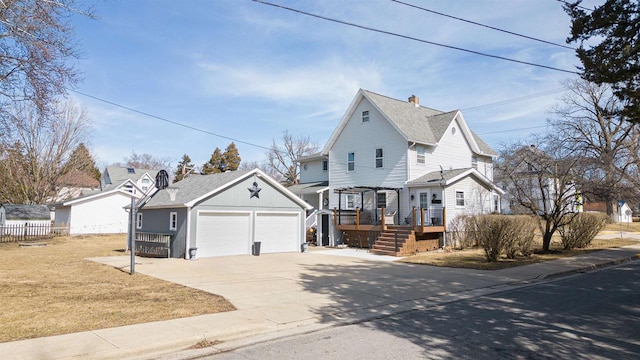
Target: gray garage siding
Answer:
pixel 157 221
pixel 236 198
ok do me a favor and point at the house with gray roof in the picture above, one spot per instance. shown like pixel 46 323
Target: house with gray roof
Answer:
pixel 14 218
pixel 394 162
pixel 233 213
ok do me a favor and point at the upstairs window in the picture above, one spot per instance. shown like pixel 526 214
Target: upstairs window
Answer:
pixel 420 154
pixel 131 170
pixel 325 165
pixel 474 162
pixel 365 116
pixel 351 161
pixel 145 181
pixel 350 201
pixel 379 158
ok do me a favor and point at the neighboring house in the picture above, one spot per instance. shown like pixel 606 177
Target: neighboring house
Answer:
pixel 16 217
pixel 103 211
pixel 97 213
pixel 133 180
pixel 423 166
pixel 74 184
pixel 623 214
pixel 225 214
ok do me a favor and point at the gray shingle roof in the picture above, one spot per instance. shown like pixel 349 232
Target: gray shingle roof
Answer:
pixel 419 124
pixel 118 174
pixel 192 188
pixel 308 188
pixel 435 177
pixel 26 212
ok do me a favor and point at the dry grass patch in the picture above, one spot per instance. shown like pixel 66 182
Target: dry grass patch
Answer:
pixel 633 227
pixel 475 259
pixel 53 290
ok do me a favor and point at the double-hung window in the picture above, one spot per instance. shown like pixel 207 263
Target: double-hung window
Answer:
pixel 474 162
pixel 381 199
pixel 173 221
pixel 459 198
pixel 365 116
pixel 350 201
pixel 325 165
pixel 351 161
pixel 420 154
pixel 139 221
pixel 379 158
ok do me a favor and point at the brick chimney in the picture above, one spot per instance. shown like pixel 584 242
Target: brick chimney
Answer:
pixel 414 99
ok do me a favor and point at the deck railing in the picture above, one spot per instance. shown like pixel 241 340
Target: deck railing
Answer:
pixel 153 244
pixel 312 220
pixel 29 232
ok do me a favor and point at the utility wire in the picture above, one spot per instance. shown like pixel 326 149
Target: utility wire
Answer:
pixel 167 120
pixel 578 6
pixel 483 25
pixel 513 100
pixel 412 38
pixel 512 130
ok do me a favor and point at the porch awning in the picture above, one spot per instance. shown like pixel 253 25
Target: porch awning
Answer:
pixel 309 188
pixel 361 189
pixel 449 177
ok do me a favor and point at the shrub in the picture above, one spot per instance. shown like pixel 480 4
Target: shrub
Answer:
pixel 582 229
pixel 497 234
pixel 459 233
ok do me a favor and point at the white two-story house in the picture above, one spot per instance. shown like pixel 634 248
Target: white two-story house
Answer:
pixel 393 162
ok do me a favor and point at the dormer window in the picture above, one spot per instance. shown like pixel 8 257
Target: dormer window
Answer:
pixel 131 170
pixel 145 181
pixel 365 116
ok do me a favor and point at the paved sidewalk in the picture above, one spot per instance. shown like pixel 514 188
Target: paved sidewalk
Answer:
pixel 284 294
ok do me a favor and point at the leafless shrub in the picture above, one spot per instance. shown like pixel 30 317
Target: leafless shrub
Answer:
pixel 582 230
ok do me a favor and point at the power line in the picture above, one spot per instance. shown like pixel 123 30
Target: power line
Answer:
pixel 167 120
pixel 413 38
pixel 483 25
pixel 512 130
pixel 513 100
pixel 578 6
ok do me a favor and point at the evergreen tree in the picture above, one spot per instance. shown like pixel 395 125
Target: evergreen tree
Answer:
pixel 81 160
pixel 214 164
pixel 183 168
pixel 231 157
pixel 615 60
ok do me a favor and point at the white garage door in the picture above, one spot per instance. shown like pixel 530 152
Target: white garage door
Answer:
pixel 220 234
pixel 278 232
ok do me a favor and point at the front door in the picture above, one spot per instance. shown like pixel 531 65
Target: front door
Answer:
pixel 325 230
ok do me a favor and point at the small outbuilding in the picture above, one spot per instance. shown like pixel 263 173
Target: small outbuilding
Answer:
pixel 14 217
pixel 232 213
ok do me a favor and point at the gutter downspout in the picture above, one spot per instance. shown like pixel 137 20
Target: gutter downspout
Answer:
pixel 188 234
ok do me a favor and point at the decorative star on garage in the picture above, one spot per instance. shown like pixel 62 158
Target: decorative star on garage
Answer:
pixel 255 191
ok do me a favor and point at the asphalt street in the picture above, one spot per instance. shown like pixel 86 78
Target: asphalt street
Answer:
pixel 593 315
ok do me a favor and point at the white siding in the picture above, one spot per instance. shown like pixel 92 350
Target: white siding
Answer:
pixel 103 215
pixel 313 172
pixel 478 199
pixel 363 139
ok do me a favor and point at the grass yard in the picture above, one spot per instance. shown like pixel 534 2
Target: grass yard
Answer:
pixel 53 290
pixel 633 227
pixel 474 258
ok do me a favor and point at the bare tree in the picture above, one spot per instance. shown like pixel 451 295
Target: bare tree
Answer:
pixel 588 121
pixel 282 158
pixel 146 161
pixel 36 45
pixel 35 148
pixel 541 181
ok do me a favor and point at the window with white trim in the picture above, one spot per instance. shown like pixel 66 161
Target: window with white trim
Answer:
pixel 325 165
pixel 420 154
pixel 474 162
pixel 365 116
pixel 145 181
pixel 139 221
pixel 349 201
pixel 173 221
pixel 459 198
pixel 379 158
pixel 351 161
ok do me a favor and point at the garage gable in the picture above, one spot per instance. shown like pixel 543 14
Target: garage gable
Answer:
pixel 239 195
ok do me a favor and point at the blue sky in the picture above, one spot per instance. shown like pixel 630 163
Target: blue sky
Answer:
pixel 248 71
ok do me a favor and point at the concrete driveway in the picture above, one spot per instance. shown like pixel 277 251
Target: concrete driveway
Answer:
pixel 291 287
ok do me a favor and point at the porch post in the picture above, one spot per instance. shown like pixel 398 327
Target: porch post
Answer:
pixel 339 207
pixel 384 225
pixel 421 219
pixel 413 217
pixel 398 212
pixel 335 217
pixel 357 218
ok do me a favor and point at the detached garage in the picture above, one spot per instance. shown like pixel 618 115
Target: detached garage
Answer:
pixel 226 214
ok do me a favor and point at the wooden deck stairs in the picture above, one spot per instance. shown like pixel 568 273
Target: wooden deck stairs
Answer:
pixel 386 242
